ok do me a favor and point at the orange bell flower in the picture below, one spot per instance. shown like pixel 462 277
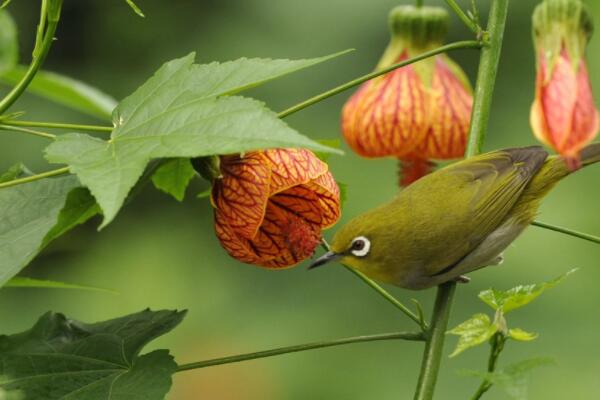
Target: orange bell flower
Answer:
pixel 416 113
pixel 271 205
pixel 563 114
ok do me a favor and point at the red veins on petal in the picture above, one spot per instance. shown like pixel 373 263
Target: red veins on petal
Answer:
pixel 241 195
pixel 298 198
pixel 386 115
pixel 450 105
pixel 563 114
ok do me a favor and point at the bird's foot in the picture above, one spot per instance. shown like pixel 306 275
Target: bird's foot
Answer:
pixel 462 279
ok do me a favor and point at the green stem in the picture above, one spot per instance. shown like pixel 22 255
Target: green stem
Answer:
pixel 466 44
pixel 463 17
pixel 386 295
pixel 55 125
pixel 497 345
pixel 570 232
pixel 43 42
pixel 486 77
pixel 381 291
pixel 435 342
pixel 29 131
pixel 413 336
pixel 27 179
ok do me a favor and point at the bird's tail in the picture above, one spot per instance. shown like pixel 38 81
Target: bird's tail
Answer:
pixel 554 169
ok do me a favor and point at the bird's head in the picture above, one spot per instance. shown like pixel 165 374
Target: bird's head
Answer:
pixel 352 245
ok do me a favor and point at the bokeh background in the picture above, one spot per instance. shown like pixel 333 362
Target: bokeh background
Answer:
pixel 163 254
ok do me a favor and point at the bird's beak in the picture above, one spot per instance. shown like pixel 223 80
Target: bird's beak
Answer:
pixel 324 259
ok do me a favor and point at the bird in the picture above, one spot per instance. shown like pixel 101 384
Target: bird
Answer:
pixel 453 221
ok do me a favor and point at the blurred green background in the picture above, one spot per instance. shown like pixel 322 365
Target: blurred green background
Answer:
pixel 163 254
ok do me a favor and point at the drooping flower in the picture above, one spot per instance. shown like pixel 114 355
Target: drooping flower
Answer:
pixel 416 113
pixel 271 205
pixel 563 114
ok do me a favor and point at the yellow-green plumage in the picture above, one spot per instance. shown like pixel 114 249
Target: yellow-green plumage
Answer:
pixel 455 220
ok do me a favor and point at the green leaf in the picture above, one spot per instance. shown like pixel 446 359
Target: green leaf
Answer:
pixel 514 379
pixel 65 91
pixel 173 177
pixel 135 8
pixel 61 358
pixel 521 335
pixel 474 331
pixel 184 110
pixel 24 282
pixel 79 207
pixel 519 296
pixel 27 213
pixel 9 50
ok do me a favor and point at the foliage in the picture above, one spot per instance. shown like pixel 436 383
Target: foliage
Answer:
pixel 60 358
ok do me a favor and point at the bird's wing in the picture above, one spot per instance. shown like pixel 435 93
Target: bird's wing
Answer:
pixel 469 200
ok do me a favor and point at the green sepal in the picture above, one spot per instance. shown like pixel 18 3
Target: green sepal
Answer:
pixel 415 30
pixel 208 167
pixel 558 23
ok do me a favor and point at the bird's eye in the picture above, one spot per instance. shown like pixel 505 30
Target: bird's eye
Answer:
pixel 360 246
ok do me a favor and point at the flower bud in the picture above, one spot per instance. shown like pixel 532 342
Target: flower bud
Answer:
pixel 563 114
pixel 415 113
pixel 271 205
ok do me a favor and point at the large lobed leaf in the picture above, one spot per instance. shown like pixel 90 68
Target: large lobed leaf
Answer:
pixel 61 358
pixel 27 213
pixel 508 300
pixel 184 110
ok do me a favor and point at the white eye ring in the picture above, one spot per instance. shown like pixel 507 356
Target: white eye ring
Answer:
pixel 360 246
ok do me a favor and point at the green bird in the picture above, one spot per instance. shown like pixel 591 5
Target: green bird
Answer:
pixel 453 221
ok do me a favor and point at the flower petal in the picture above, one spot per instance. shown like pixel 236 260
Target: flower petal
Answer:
pixel 328 194
pixel 585 115
pixel 386 116
pixel 450 104
pixel 237 247
pixel 241 195
pixel 291 167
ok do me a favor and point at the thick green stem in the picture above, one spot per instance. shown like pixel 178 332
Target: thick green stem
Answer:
pixel 55 125
pixel 466 44
pixel 570 232
pixel 27 179
pixel 496 346
pixel 463 17
pixel 484 88
pixel 43 42
pixel 414 336
pixel 486 77
pixel 435 342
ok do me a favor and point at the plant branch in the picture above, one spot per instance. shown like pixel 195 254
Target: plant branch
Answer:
pixel 496 346
pixel 435 342
pixel 467 44
pixel 29 131
pixel 27 179
pixel 413 336
pixel 55 125
pixel 464 17
pixel 484 88
pixel 570 232
pixel 43 41
pixel 386 295
pixel 381 291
